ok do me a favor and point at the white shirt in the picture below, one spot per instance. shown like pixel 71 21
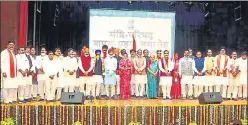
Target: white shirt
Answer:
pixel 40 60
pixel 243 65
pixel 50 67
pixel 222 62
pixel 110 64
pixel 81 67
pixel 70 64
pixel 22 62
pixel 234 63
pixel 170 67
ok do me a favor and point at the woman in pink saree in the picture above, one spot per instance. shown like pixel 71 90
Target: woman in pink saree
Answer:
pixel 125 72
pixel 176 87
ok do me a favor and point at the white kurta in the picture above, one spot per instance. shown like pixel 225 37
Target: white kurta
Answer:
pixel 40 60
pixel 220 80
pixel 51 67
pixel 22 64
pixel 164 80
pixel 233 65
pixel 110 65
pixel 97 78
pixel 243 71
pixel 5 68
pixel 69 64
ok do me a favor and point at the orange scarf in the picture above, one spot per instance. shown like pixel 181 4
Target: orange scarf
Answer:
pixel 12 65
pixel 218 65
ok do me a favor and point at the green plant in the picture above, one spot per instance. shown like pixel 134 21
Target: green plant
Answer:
pixel 77 123
pixel 8 121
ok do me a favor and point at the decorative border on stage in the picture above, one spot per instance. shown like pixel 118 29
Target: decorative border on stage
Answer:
pixel 118 115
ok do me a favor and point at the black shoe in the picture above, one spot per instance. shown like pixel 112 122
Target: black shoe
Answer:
pixel 235 99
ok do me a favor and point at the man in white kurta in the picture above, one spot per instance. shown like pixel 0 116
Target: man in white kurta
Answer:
pixel 110 66
pixel 234 77
pixel 140 77
pixel 31 63
pixel 58 56
pixel 165 67
pixel 132 82
pixel 186 71
pixel 243 76
pixel 51 70
pixel 70 66
pixel 41 75
pixel 8 75
pixel 22 75
pixel 221 79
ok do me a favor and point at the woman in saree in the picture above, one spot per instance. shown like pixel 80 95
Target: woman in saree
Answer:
pixel 125 72
pixel 176 87
pixel 152 77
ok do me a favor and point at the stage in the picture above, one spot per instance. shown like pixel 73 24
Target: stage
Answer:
pixel 125 112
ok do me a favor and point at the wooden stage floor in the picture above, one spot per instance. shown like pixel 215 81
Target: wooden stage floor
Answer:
pixel 139 102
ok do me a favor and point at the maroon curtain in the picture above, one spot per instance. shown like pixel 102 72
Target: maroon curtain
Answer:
pixel 23 16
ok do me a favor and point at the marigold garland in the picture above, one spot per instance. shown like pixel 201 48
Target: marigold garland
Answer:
pixel 104 115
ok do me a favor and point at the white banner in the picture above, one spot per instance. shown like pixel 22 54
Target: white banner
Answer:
pixel 118 31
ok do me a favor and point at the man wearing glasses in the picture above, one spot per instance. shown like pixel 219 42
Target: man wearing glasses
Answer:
pixel 8 73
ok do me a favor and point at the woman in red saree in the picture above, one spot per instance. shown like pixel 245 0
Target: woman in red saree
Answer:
pixel 125 68
pixel 176 87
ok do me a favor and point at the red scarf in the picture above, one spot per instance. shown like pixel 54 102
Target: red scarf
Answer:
pixel 12 65
pixel 104 55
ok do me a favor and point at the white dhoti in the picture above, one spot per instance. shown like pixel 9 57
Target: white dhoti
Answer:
pixel 187 80
pixel 140 80
pixel 243 85
pixel 41 78
pixel 24 88
pixel 9 89
pixel 117 84
pixel 69 84
pixel 85 82
pixel 132 85
pixel 50 87
pixel 165 82
pixel 233 86
pixel 221 81
pixel 98 80
pixel 198 85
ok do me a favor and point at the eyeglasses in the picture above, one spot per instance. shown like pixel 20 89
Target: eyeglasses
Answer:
pixel 166 53
pixel 159 53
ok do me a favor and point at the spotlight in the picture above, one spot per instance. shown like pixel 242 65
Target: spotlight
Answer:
pixel 130 3
pixel 172 4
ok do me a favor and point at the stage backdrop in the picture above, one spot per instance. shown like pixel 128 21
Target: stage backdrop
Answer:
pixel 117 28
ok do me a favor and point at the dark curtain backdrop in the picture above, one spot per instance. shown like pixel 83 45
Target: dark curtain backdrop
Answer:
pixel 71 26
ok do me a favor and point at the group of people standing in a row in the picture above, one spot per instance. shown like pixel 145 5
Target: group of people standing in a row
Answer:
pixel 113 73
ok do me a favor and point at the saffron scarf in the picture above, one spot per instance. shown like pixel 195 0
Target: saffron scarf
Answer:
pixel 218 65
pixel 12 65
